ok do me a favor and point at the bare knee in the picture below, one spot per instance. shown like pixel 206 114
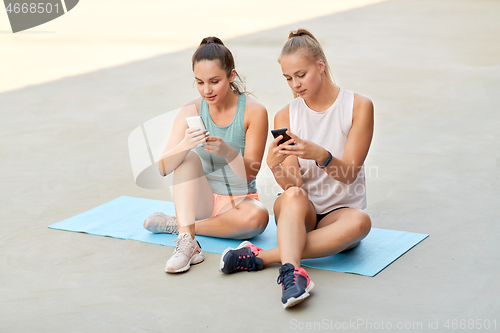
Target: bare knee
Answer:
pixel 294 203
pixel 360 223
pixel 255 220
pixel 294 191
pixel 190 168
pixel 191 159
pixel 292 196
pixel 363 224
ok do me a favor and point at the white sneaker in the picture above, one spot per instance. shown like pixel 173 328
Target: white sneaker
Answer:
pixel 160 223
pixel 187 252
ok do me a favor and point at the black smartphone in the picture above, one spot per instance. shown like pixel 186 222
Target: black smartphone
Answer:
pixel 281 131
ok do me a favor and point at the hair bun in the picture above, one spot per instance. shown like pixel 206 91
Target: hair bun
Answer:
pixel 299 33
pixel 210 40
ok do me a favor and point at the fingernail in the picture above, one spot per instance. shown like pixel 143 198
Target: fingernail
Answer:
pixel 197 128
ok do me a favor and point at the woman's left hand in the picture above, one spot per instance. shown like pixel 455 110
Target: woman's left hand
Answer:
pixel 217 146
pixel 304 149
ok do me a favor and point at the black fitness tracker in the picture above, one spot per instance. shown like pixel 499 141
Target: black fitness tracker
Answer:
pixel 328 160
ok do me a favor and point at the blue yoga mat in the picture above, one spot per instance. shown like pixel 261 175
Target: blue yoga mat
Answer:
pixel 123 218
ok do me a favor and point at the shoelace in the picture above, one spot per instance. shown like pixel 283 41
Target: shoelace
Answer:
pixel 246 262
pixel 182 246
pixel 286 278
pixel 171 226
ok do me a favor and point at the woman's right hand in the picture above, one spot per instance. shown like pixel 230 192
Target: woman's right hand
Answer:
pixel 193 137
pixel 276 155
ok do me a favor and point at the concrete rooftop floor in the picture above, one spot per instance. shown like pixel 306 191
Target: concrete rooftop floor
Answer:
pixel 432 69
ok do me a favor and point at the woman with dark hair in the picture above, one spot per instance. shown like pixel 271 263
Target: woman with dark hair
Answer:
pixel 214 170
pixel 320 169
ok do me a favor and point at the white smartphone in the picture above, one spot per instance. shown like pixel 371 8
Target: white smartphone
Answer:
pixel 196 122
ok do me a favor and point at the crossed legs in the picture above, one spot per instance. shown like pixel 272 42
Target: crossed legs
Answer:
pixel 193 200
pixel 338 231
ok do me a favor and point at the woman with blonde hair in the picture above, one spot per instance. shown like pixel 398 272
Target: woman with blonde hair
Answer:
pixel 320 168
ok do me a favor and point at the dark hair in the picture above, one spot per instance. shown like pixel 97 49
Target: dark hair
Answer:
pixel 303 40
pixel 212 48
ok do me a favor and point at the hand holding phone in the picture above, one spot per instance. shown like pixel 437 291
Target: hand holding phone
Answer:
pixel 196 122
pixel 196 134
pixel 281 131
pixel 276 155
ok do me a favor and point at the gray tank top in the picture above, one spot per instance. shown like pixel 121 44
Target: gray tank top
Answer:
pixel 219 174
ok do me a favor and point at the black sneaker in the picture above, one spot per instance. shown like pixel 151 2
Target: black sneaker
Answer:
pixel 296 285
pixel 243 258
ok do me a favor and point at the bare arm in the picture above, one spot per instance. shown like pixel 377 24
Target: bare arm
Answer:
pixel 256 136
pixel 181 141
pixel 285 168
pixel 359 139
pixel 358 143
pixel 256 125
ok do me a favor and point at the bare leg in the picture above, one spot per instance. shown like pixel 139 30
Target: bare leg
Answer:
pixel 338 231
pixel 193 196
pixel 294 208
pixel 193 200
pixel 248 219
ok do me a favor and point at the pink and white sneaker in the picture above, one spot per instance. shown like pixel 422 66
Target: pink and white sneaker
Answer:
pixel 160 223
pixel 187 252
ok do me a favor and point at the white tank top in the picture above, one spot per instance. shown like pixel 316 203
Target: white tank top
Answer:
pixel 329 129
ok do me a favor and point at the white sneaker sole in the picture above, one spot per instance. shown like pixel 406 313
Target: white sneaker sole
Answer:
pixel 196 259
pixel 221 264
pixel 294 301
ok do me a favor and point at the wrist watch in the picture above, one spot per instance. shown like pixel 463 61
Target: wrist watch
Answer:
pixel 328 160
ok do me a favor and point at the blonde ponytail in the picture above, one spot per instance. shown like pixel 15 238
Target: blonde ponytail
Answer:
pixel 303 40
